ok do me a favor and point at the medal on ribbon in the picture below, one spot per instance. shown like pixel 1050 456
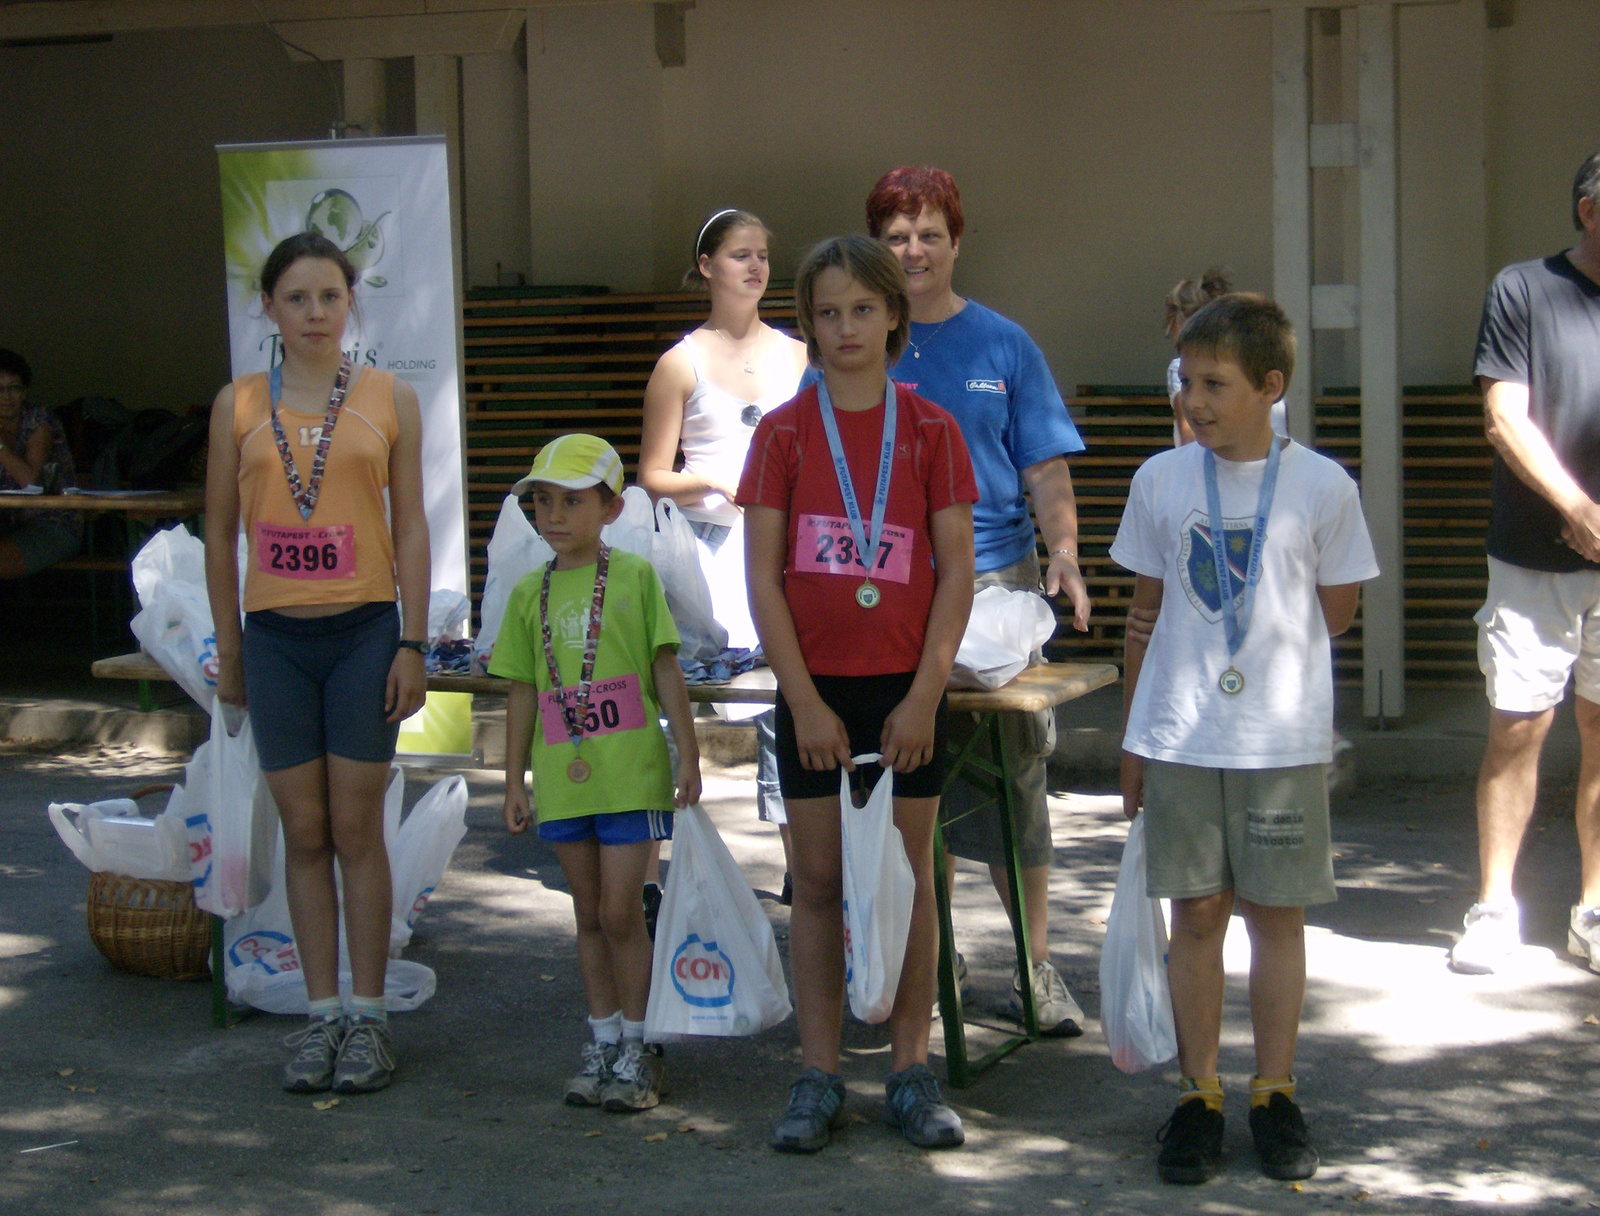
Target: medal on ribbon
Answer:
pixel 1236 618
pixel 867 543
pixel 573 714
pixel 305 499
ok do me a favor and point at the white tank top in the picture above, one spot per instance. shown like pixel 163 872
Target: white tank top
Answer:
pixel 717 426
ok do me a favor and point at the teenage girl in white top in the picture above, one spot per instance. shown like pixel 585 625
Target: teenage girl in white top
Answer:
pixel 707 394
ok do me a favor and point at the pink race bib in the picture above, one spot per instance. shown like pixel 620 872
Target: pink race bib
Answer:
pixel 823 545
pixel 614 705
pixel 306 553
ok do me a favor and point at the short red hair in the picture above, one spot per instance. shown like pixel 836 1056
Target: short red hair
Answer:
pixel 910 189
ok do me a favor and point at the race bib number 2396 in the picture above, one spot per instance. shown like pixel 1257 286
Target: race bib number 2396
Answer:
pixel 306 553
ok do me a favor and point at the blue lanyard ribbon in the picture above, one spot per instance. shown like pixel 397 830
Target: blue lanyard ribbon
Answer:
pixel 1236 621
pixel 866 545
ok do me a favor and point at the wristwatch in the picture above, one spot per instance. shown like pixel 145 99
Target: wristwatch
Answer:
pixel 420 647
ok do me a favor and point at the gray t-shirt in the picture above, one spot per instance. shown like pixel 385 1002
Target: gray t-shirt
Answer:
pixel 1541 328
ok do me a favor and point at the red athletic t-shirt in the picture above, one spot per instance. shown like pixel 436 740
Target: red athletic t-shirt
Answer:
pixel 790 469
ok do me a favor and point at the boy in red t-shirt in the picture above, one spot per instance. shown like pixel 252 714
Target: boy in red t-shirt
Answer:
pixel 858 553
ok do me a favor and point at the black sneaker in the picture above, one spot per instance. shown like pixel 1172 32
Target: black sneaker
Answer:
pixel 1191 1143
pixel 652 908
pixel 816 1103
pixel 913 1104
pixel 786 896
pixel 1282 1142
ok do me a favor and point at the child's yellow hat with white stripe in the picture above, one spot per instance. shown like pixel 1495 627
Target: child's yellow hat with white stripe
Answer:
pixel 575 462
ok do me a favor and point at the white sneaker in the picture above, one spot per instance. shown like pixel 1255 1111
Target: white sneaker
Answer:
pixel 1059 1015
pixel 1583 935
pixel 1492 933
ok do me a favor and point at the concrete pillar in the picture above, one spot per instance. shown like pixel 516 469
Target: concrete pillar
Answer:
pixel 1291 204
pixel 494 167
pixel 364 97
pixel 438 92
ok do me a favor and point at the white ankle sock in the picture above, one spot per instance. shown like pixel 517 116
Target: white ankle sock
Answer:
pixel 607 1030
pixel 633 1030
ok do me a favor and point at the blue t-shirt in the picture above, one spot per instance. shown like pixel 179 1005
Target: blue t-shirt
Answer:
pixel 987 372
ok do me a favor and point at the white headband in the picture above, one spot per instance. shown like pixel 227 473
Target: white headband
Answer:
pixel 708 223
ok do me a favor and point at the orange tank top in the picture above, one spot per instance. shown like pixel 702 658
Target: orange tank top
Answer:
pixel 345 552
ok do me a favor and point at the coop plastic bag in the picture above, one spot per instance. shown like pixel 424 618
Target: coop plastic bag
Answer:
pixel 174 624
pixel 1135 1002
pixel 1004 630
pixel 676 555
pixel 422 849
pixel 515 550
pixel 878 889
pixel 230 819
pixel 716 969
pixel 113 837
pixel 261 961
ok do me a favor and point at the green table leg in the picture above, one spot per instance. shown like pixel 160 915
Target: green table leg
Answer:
pixel 147 697
pixel 219 986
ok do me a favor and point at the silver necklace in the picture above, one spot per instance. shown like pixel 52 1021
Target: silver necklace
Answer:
pixel 749 368
pixel 916 347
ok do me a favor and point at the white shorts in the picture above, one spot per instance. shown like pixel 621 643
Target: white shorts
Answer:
pixel 1534 630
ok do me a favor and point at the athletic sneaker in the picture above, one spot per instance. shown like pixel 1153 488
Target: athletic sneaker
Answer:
pixel 366 1058
pixel 1282 1142
pixel 786 896
pixel 913 1104
pixel 816 1105
pixel 588 1087
pixel 963 983
pixel 635 1078
pixel 1583 935
pixel 1059 1015
pixel 652 908
pixel 1191 1143
pixel 311 1070
pixel 1493 933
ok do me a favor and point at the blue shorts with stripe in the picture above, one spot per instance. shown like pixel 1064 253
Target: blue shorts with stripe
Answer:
pixel 618 827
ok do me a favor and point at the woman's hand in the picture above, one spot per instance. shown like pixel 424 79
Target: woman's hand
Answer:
pixel 230 681
pixel 821 739
pixel 1132 784
pixel 407 687
pixel 908 734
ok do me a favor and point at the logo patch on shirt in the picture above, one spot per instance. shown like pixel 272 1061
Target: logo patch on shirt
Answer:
pixel 1197 566
pixel 986 386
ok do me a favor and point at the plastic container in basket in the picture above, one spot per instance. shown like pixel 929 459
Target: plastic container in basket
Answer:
pixel 149 926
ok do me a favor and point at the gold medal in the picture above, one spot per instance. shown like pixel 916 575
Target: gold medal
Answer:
pixel 1231 682
pixel 868 596
pixel 578 771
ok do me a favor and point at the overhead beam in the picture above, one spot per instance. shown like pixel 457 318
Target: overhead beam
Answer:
pixel 481 33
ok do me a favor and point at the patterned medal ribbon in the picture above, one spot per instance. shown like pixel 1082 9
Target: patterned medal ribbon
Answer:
pixel 306 499
pixel 573 715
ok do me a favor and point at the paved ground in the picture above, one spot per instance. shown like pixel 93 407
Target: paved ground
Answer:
pixel 1428 1092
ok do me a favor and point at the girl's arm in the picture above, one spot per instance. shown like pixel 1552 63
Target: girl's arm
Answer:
pixel 522 712
pixel 819 735
pixel 222 548
pixel 907 740
pixel 408 524
pixel 24 466
pixel 669 387
pixel 674 699
pixel 1147 593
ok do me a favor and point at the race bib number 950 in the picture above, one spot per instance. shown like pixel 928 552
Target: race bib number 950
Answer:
pixel 306 553
pixel 824 545
pixel 613 705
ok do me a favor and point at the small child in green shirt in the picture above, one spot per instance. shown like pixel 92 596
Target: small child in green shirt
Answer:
pixel 592 650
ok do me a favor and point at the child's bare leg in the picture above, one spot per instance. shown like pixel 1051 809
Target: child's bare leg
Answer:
pixel 652 869
pixel 1194 972
pixel 1277 983
pixel 622 871
pixel 912 1016
pixel 816 929
pixel 580 863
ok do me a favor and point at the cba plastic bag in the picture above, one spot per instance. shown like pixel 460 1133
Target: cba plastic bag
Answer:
pixel 716 969
pixel 515 549
pixel 113 837
pixel 878 889
pixel 1004 630
pixel 1135 1002
pixel 174 623
pixel 230 818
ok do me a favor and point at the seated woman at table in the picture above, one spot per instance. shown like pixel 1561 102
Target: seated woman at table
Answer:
pixel 30 438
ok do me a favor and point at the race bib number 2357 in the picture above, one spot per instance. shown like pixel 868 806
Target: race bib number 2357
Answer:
pixel 824 544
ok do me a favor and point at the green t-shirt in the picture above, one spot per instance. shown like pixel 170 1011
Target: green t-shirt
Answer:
pixel 629 766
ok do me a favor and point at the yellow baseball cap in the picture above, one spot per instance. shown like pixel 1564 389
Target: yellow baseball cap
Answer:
pixel 576 462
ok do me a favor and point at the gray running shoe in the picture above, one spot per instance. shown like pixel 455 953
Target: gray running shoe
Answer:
pixel 588 1087
pixel 1491 934
pixel 1583 935
pixel 366 1058
pixel 816 1104
pixel 635 1078
pixel 914 1105
pixel 963 983
pixel 311 1070
pixel 1059 1015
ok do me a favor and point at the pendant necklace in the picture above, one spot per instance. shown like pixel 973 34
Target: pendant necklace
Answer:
pixel 916 347
pixel 749 366
pixel 572 715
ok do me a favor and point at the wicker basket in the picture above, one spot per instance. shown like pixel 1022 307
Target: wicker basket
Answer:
pixel 149 927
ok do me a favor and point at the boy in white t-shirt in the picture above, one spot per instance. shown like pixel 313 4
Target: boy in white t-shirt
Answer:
pixel 1228 735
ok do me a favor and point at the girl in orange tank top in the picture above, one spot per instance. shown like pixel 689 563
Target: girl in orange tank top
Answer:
pixel 302 457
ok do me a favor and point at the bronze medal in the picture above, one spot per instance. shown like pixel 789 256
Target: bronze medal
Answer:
pixel 578 771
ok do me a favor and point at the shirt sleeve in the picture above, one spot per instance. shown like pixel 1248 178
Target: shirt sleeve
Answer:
pixel 660 628
pixel 515 651
pixel 1344 549
pixel 1137 546
pixel 950 476
pixel 1503 337
pixel 769 468
pixel 1040 426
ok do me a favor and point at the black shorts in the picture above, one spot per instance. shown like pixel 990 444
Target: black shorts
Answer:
pixel 315 685
pixel 862 703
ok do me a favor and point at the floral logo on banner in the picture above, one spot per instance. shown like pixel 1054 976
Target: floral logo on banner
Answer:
pixel 335 214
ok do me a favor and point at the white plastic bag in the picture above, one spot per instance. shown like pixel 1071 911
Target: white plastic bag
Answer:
pixel 448 612
pixel 675 554
pixel 635 529
pixel 422 849
pixel 730 598
pixel 878 889
pixel 515 549
pixel 230 817
pixel 716 969
pixel 1004 630
pixel 1135 1002
pixel 174 624
pixel 114 838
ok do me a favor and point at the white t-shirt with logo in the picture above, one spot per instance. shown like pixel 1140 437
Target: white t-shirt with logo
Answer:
pixel 1316 536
